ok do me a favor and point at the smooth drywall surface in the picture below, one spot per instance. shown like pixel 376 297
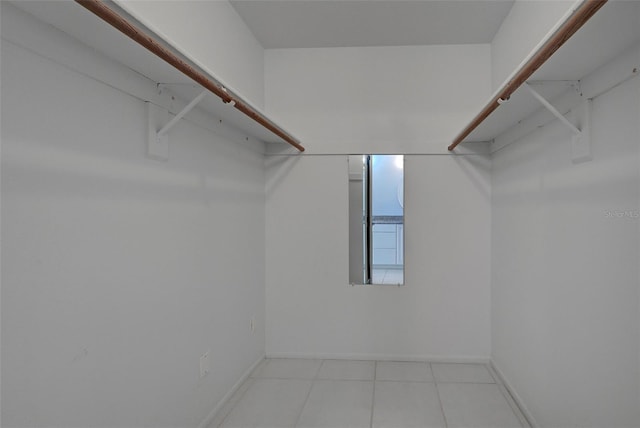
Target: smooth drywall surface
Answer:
pixel 442 311
pixel 521 31
pixel 409 99
pixel 213 34
pixel 565 313
pixel 118 271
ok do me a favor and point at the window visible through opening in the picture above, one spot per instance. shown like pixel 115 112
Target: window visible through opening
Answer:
pixel 376 219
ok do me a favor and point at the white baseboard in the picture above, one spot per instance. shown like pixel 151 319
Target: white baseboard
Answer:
pixel 214 412
pixel 384 357
pixel 514 395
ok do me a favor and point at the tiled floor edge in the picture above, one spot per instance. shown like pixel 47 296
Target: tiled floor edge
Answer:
pixel 472 359
pixel 513 398
pixel 212 416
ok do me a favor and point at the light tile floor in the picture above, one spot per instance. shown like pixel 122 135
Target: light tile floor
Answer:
pixel 387 276
pixel 369 394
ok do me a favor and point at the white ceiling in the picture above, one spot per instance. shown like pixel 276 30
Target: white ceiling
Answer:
pixel 340 23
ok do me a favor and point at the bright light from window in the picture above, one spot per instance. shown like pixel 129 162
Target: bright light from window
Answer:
pixel 399 161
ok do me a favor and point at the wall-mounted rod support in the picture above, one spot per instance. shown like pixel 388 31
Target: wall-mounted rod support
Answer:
pixel 568 28
pixel 553 110
pixel 122 24
pixel 181 114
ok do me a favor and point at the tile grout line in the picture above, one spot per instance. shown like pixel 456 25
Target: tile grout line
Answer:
pixel 313 381
pixel 435 382
pixel 513 404
pixel 524 422
pixel 239 398
pixel 378 380
pixel 316 377
pixel 511 401
pixel 373 398
pixel 495 378
pixel 250 379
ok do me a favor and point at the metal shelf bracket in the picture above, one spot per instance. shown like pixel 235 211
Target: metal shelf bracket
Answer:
pixel 158 140
pixel 552 109
pixel 581 138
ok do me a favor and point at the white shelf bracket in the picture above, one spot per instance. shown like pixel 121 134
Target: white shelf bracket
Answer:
pixel 581 138
pixel 182 113
pixel 157 145
pixel 581 144
pixel 552 109
pixel 158 140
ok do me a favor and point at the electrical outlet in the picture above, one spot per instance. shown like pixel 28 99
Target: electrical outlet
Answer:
pixel 252 324
pixel 204 364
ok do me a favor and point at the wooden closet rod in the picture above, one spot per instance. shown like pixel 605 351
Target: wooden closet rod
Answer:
pixel 581 15
pixel 121 23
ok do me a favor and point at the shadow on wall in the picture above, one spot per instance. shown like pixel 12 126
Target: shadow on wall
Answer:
pixel 117 178
pixel 470 165
pixel 281 165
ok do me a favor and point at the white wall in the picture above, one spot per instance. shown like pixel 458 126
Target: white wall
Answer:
pixel 211 33
pixel 378 100
pixel 411 99
pixel 442 311
pixel 565 308
pixel 526 24
pixel 118 271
